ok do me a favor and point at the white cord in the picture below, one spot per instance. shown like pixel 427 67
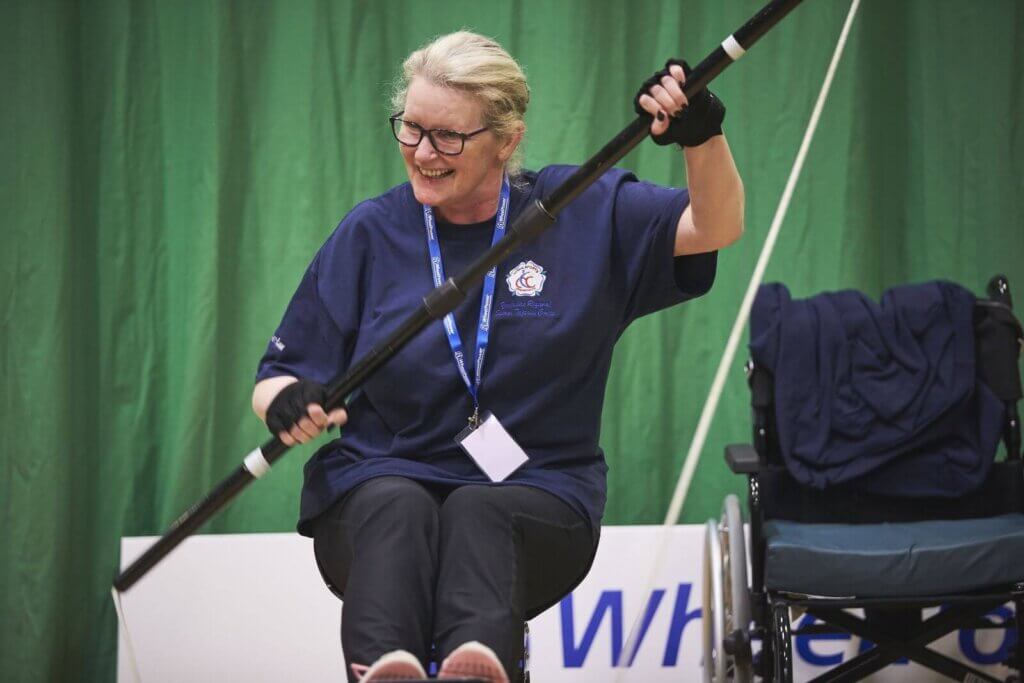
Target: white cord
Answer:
pixel 711 404
pixel 130 654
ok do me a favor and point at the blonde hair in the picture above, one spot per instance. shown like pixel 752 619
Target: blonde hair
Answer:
pixel 480 67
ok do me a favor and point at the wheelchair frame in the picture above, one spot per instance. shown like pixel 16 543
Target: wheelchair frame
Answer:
pixel 729 631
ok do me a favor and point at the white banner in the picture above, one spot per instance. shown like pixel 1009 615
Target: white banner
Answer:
pixel 252 607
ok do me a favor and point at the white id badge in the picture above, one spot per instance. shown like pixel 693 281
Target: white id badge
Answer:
pixel 492 448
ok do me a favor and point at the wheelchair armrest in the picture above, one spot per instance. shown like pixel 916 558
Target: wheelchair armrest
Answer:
pixel 742 459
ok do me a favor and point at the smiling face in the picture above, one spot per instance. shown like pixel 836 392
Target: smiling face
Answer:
pixel 462 188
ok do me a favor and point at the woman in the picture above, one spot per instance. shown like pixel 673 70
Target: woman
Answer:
pixel 434 558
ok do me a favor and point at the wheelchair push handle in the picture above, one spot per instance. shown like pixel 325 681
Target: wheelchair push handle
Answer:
pixel 998 290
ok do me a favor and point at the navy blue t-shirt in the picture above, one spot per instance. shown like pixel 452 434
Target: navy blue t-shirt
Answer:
pixel 561 302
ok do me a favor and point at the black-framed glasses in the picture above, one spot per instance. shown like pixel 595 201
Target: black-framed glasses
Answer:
pixel 447 142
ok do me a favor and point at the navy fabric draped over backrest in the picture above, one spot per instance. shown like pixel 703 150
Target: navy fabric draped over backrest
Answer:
pixel 883 396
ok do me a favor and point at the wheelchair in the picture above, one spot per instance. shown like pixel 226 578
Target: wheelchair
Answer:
pixel 826 551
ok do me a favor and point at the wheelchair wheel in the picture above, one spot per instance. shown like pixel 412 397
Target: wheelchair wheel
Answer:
pixel 713 615
pixel 726 600
pixel 735 590
pixel 782 645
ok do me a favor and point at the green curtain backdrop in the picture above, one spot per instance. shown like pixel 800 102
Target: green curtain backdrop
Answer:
pixel 169 169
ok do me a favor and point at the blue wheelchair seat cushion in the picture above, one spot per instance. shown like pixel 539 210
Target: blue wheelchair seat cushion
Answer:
pixel 907 559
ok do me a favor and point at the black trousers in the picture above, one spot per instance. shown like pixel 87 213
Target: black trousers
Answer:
pixel 419 567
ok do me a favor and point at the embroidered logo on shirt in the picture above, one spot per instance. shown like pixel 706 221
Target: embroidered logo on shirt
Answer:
pixel 276 341
pixel 526 279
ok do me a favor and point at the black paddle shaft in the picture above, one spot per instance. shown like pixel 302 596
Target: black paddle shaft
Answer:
pixel 533 221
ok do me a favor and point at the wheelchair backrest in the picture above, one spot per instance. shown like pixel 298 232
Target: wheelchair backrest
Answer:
pixel 997 343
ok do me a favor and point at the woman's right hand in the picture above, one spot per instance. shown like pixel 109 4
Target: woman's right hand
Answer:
pixel 676 119
pixel 295 413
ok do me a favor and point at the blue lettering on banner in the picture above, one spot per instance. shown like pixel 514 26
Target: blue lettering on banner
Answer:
pixel 573 656
pixel 610 601
pixel 969 645
pixel 645 623
pixel 680 618
pixel 966 638
pixel 803 645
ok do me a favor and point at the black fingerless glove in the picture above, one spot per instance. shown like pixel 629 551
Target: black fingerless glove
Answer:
pixel 289 406
pixel 698 122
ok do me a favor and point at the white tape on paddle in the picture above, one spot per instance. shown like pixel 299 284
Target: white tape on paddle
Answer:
pixel 256 463
pixel 733 48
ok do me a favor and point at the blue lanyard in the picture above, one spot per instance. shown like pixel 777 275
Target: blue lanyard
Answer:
pixel 483 328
